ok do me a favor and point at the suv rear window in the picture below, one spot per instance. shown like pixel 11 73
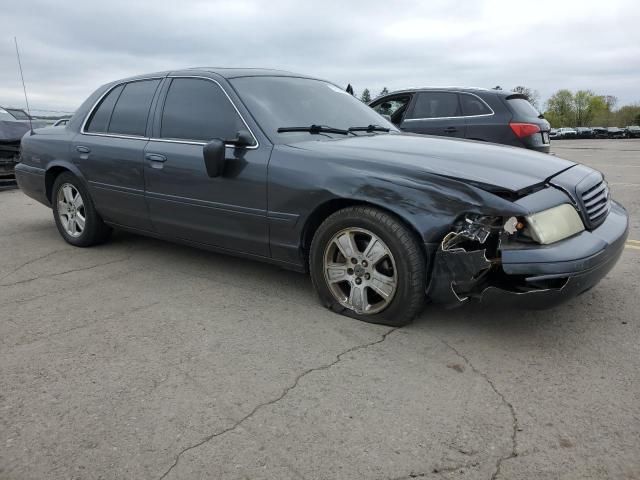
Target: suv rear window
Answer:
pixel 435 105
pixel 521 107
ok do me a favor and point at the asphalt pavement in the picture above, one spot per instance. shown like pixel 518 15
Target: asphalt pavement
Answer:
pixel 141 359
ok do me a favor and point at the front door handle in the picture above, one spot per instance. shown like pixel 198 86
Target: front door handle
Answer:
pixel 450 130
pixel 155 157
pixel 156 160
pixel 83 149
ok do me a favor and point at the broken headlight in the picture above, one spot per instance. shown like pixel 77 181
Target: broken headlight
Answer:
pixel 554 224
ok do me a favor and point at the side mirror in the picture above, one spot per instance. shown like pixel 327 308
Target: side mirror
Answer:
pixel 243 139
pixel 214 157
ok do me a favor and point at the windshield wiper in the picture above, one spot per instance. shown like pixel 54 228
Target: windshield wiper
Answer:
pixel 314 129
pixel 369 128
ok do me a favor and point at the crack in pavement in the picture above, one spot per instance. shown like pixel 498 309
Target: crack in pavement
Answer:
pixel 33 260
pixel 86 324
pixel 282 395
pixel 438 471
pixel 514 419
pixel 65 272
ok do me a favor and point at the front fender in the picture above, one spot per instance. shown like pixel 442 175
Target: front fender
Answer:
pixel 301 182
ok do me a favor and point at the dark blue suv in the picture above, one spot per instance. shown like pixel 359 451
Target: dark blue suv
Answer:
pixel 494 116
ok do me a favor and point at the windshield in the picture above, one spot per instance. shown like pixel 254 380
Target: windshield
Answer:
pixel 4 115
pixel 278 102
pixel 18 114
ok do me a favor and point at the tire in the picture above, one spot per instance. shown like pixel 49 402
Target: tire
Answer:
pixel 403 266
pixel 92 230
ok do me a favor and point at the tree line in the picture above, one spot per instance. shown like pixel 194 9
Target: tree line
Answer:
pixel 366 94
pixel 565 108
pixel 584 108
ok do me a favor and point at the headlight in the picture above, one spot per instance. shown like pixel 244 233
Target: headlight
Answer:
pixel 554 224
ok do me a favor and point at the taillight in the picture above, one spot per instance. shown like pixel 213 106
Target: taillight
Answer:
pixel 524 129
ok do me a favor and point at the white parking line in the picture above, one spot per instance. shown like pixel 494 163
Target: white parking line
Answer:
pixel 633 244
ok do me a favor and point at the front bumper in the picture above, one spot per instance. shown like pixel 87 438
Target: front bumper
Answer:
pixel 529 276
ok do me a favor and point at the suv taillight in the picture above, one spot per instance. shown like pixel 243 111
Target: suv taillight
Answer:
pixel 524 129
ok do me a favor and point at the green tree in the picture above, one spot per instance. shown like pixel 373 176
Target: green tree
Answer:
pixel 532 95
pixel 584 107
pixel 628 115
pixel 610 101
pixel 598 111
pixel 366 96
pixel 560 109
pixel 384 91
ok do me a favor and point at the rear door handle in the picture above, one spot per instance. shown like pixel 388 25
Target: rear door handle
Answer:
pixel 450 130
pixel 83 149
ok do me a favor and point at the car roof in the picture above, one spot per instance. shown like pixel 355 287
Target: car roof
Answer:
pixel 227 73
pixel 454 88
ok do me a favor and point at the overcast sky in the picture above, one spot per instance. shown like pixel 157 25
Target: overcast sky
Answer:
pixel 69 47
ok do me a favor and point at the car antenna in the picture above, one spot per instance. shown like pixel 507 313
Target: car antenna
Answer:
pixel 24 88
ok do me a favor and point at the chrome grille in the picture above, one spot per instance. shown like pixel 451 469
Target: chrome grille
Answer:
pixel 596 203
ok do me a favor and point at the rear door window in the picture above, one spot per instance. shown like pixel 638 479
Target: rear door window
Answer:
pixel 130 114
pixel 198 109
pixel 99 120
pixel 435 105
pixel 472 105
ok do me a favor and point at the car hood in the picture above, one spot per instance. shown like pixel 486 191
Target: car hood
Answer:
pixel 509 168
pixel 12 131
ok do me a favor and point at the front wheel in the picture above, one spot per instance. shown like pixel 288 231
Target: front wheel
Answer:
pixel 366 264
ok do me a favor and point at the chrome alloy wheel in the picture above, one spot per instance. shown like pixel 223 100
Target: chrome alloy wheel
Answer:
pixel 360 271
pixel 71 211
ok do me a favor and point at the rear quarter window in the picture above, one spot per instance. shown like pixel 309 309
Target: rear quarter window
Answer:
pixel 472 105
pixel 521 107
pixel 99 121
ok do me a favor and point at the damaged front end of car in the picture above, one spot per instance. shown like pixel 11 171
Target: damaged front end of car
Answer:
pixel 468 262
pixel 9 158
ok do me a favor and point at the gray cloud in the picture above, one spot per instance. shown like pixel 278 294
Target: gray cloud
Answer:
pixel 69 48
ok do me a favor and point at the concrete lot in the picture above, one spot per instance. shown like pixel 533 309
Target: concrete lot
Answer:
pixel 141 359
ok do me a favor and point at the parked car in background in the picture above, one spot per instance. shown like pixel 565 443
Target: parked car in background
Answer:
pixel 18 113
pixel 566 133
pixel 600 132
pixel 615 132
pixel 295 171
pixel 584 132
pixel 553 134
pixel 477 114
pixel 11 131
pixel 61 123
pixel 632 131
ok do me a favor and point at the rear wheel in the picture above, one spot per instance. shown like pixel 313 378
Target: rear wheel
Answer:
pixel 366 264
pixel 76 217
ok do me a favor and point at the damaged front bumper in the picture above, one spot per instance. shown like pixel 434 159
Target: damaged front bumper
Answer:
pixel 528 275
pixel 9 157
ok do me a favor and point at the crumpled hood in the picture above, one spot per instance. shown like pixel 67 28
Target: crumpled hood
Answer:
pixel 509 168
pixel 11 131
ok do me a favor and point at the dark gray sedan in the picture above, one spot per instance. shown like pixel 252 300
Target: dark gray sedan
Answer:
pixel 293 170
